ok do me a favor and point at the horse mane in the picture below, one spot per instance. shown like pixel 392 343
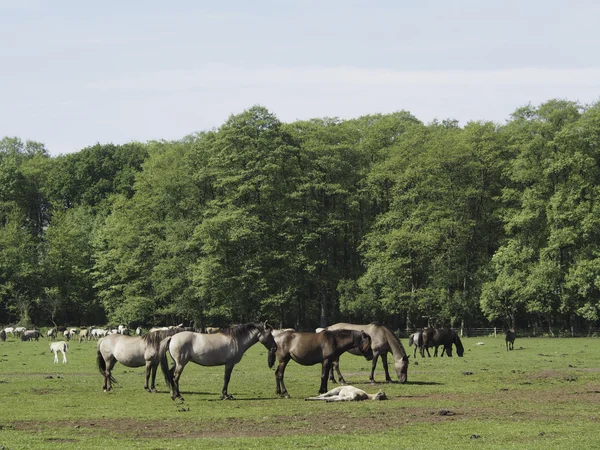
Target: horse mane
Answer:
pixel 153 338
pixel 241 329
pixel 394 343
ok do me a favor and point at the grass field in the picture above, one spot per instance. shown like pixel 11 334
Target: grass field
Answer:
pixel 544 394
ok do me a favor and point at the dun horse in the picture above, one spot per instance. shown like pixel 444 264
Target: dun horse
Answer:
pixel 131 351
pixel 224 348
pixel 434 337
pixel 510 337
pixel 382 342
pixel 312 348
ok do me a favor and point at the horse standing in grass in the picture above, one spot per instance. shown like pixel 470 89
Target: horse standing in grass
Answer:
pixel 60 346
pixel 309 349
pixel 224 348
pixel 434 337
pixel 29 335
pixel 131 351
pixel 383 341
pixel 509 337
pixel 2 335
pixel 416 340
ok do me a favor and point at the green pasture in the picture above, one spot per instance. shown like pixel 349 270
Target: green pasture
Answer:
pixel 544 394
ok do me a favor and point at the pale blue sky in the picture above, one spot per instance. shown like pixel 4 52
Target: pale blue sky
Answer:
pixel 78 72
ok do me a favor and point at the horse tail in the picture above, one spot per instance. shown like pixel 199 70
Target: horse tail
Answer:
pixel 102 365
pixel 164 364
pixel 66 347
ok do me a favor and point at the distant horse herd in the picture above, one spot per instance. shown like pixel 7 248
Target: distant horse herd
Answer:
pixel 214 346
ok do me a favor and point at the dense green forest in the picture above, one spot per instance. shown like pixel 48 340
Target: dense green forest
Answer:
pixel 381 218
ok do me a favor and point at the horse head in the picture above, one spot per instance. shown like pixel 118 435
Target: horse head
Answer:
pixel 265 337
pixel 401 366
pixel 364 346
pixel 460 350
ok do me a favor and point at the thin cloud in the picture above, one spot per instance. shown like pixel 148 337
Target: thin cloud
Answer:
pixel 177 80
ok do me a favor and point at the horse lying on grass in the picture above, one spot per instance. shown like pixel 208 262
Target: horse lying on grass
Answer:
pixel 348 394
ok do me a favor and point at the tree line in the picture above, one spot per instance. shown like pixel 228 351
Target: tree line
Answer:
pixel 308 223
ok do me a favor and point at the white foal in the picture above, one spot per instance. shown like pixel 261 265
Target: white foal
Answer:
pixel 348 394
pixel 62 347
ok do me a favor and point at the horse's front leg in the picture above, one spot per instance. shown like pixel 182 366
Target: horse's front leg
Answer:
pixel 373 365
pixel 148 371
pixel 335 365
pixel 281 390
pixel 384 361
pixel 324 374
pixel 224 394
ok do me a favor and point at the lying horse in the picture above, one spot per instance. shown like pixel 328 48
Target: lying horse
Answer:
pixel 382 342
pixel 348 394
pixel 62 347
pixel 509 337
pixel 224 348
pixel 312 348
pixel 434 337
pixel 131 351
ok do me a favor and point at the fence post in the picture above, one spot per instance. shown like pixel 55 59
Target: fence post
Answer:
pixel 495 332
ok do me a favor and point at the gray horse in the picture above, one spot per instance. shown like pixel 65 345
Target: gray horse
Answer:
pixel 131 351
pixel 223 348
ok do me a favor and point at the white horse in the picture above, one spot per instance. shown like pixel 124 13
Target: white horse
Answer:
pixel 51 333
pixel 20 330
pixel 348 394
pixel 60 346
pixel 10 330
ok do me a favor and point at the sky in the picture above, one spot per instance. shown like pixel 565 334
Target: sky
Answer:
pixel 77 73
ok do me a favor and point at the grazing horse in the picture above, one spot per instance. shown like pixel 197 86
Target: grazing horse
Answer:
pixel 29 335
pixel 19 331
pixel 60 346
pixel 84 334
pixel 434 337
pixel 131 351
pixel 348 394
pixel 2 335
pixel 382 342
pixel 312 348
pixel 510 337
pixel 9 330
pixel 224 348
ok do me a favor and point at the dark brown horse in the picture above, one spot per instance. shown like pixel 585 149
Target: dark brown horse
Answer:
pixel 509 337
pixel 434 337
pixel 309 349
pixel 382 342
